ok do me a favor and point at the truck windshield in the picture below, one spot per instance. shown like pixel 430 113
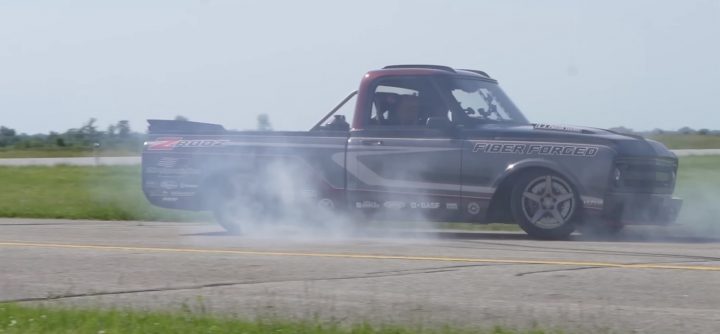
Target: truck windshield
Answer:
pixel 483 102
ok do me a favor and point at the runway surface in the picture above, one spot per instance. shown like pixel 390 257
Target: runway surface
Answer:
pixel 631 284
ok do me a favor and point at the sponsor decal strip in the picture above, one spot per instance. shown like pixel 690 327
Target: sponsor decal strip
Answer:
pixel 171 143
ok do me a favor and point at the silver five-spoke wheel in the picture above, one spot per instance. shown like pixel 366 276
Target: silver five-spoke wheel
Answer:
pixel 544 204
pixel 548 202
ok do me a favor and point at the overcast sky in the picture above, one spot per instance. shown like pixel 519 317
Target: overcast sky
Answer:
pixel 641 64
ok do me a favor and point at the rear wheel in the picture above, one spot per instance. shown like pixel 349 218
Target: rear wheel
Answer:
pixel 544 204
pixel 236 204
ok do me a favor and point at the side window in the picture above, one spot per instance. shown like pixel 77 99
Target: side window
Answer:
pixel 394 105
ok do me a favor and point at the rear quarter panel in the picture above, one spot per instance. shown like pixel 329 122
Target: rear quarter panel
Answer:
pixel 178 169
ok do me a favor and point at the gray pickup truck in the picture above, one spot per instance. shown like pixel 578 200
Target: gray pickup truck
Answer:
pixel 425 142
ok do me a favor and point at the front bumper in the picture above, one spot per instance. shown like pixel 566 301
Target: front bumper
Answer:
pixel 641 209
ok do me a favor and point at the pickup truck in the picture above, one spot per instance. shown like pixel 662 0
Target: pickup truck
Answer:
pixel 425 142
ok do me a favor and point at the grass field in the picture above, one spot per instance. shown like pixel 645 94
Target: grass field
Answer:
pixel 63 153
pixel 31 320
pixel 699 187
pixel 79 192
pixel 114 193
pixel 675 141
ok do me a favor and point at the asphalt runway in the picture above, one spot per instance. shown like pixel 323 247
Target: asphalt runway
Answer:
pixel 642 282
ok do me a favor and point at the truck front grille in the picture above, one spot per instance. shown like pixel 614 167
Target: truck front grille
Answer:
pixel 646 176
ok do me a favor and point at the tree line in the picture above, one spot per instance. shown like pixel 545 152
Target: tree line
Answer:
pixel 87 136
pixel 117 136
pixel 120 136
pixel 686 130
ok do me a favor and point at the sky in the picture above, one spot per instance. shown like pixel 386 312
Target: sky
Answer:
pixel 638 64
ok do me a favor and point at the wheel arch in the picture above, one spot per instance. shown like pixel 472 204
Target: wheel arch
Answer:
pixel 499 208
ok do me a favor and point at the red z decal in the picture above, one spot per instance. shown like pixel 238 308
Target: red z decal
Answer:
pixel 164 144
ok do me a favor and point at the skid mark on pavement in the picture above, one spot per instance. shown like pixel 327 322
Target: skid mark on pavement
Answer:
pixel 363 256
pixel 220 285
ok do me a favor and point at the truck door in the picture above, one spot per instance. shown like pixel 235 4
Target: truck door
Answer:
pixel 399 167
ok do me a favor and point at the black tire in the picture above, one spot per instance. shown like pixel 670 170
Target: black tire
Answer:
pixel 226 221
pixel 545 204
pixel 236 203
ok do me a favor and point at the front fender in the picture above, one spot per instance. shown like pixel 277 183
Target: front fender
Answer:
pixel 526 164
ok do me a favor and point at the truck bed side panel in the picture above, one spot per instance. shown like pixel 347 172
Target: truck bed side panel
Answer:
pixel 178 169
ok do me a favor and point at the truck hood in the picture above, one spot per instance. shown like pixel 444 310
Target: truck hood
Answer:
pixel 623 144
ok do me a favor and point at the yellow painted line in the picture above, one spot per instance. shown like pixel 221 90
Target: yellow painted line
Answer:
pixel 364 256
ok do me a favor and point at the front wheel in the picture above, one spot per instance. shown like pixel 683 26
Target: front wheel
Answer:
pixel 545 205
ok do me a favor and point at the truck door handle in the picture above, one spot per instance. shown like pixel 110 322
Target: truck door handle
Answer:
pixel 372 142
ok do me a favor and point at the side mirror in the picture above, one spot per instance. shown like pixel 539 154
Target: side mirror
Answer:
pixel 438 123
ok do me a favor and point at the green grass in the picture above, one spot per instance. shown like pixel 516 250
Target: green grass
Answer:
pixel 63 153
pixel 677 141
pixel 80 192
pixel 699 187
pixel 104 193
pixel 40 319
pixel 114 193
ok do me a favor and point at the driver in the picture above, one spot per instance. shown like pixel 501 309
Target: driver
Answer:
pixel 407 111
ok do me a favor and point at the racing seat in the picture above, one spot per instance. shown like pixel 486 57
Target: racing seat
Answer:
pixel 385 104
pixel 406 112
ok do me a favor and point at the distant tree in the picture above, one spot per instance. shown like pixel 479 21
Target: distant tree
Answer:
pixel 84 136
pixel 622 129
pixel 7 136
pixel 7 132
pixel 658 131
pixel 117 136
pixel 263 123
pixel 703 132
pixel 181 118
pixel 89 128
pixel 686 130
pixel 123 129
